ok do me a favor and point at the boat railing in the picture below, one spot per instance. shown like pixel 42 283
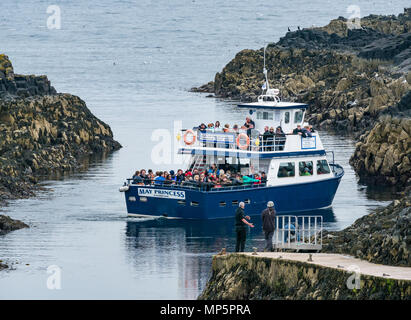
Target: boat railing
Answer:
pixel 337 169
pixel 202 186
pixel 233 140
pixel 298 233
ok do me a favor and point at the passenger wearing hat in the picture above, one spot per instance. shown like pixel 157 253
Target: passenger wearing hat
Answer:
pixel 268 219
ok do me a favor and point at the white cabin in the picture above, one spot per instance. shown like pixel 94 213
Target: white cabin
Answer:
pixel 270 111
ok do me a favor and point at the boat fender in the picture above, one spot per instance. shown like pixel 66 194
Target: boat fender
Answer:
pixel 243 146
pixel 189 142
pixel 123 189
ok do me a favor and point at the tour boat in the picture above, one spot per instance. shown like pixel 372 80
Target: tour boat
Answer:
pixel 299 176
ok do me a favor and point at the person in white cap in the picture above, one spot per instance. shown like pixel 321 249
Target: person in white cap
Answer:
pixel 268 219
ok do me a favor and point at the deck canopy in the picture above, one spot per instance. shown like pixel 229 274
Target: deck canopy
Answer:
pixel 273 105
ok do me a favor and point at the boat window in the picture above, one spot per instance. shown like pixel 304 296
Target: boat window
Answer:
pixel 265 115
pixel 142 199
pixel 247 201
pixel 286 169
pixel 181 202
pixel 322 167
pixel 131 198
pixel 298 116
pixel 194 203
pixel 222 204
pixel 234 202
pixel 287 117
pixel 306 168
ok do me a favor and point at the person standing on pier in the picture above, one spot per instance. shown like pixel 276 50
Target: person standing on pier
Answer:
pixel 241 224
pixel 268 219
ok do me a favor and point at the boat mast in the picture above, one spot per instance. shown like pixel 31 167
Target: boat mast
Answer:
pixel 267 86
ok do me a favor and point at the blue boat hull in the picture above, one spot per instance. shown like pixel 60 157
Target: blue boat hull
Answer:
pixel 223 203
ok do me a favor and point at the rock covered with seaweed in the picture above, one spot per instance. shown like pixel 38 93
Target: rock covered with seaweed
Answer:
pixel 8 224
pixel 43 132
pixel 381 237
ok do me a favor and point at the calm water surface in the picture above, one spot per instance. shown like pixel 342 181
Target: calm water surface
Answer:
pixel 132 62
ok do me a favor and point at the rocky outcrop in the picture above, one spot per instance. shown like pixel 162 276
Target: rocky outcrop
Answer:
pixel 42 133
pixel 383 156
pixel 7 224
pixel 381 237
pixel 205 88
pixel 345 93
pixel 15 85
pixel 246 277
pixel 349 77
pixel 379 37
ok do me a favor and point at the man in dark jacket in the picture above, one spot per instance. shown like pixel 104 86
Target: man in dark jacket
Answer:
pixel 268 218
pixel 241 224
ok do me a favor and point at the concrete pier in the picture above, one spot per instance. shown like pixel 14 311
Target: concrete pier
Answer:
pixel 343 262
pixel 294 276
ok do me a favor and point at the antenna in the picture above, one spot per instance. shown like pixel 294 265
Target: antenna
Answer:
pixel 265 73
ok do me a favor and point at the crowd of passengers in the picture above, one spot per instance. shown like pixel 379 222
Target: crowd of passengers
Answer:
pixel 249 125
pixel 213 177
pixel 271 138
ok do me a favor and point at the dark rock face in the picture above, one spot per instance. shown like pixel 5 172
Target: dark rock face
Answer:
pixel 44 133
pixel 383 156
pixel 345 93
pixel 241 277
pixel 205 88
pixel 7 224
pixel 380 37
pixel 381 237
pixel 14 85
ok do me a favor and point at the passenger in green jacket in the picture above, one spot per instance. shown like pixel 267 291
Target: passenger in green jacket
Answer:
pixel 247 180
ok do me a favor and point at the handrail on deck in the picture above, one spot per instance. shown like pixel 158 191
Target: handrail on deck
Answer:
pixel 228 140
pixel 203 187
pixel 298 233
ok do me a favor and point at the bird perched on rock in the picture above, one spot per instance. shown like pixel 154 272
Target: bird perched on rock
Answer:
pixel 298 28
pixel 289 29
pixel 222 252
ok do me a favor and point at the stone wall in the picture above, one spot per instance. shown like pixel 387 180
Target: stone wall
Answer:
pixel 237 276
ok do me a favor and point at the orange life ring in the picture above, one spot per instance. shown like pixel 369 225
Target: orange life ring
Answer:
pixel 187 142
pixel 243 146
